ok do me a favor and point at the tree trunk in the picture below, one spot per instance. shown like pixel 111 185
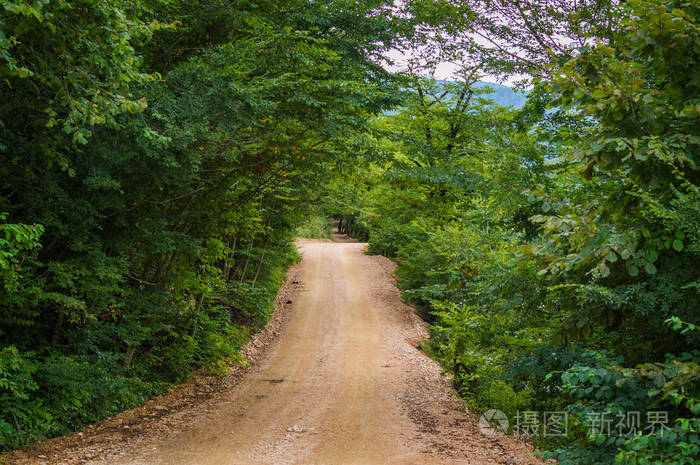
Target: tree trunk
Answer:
pixel 262 257
pixel 247 258
pixel 200 300
pixel 229 260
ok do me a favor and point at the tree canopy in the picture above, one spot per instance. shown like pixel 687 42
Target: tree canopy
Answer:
pixel 158 157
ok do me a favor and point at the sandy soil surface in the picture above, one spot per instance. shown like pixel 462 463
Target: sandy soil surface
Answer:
pixel 335 379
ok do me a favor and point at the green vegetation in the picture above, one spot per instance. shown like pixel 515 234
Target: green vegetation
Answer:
pixel 159 156
pixel 315 226
pixel 555 251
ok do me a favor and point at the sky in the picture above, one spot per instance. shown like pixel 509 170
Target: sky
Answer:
pixel 444 71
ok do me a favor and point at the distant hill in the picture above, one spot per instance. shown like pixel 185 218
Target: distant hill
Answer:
pixel 503 96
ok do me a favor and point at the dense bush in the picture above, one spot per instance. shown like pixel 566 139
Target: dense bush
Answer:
pixel 316 226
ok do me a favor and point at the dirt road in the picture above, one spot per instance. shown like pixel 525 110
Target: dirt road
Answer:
pixel 342 383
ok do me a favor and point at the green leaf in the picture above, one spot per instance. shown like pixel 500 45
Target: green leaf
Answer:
pixel 652 255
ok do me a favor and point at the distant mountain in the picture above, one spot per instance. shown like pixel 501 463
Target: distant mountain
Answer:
pixel 503 96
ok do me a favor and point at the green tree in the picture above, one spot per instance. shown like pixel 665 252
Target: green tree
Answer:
pixel 157 158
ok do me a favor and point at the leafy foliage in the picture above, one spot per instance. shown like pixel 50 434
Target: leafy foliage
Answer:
pixel 548 246
pixel 157 158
